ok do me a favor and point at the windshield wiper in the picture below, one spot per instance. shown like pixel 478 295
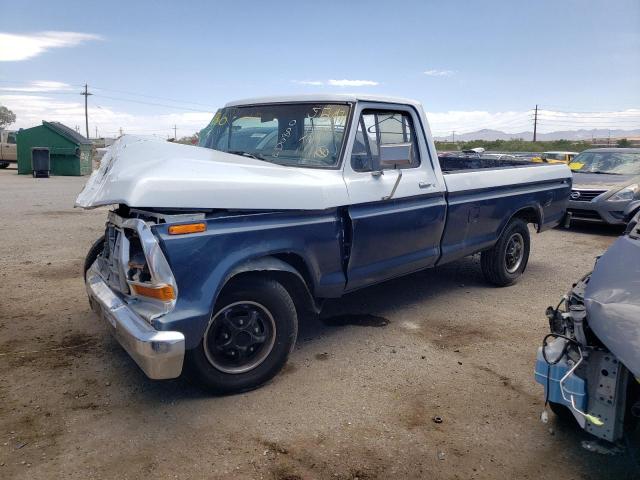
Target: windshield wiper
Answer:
pixel 246 154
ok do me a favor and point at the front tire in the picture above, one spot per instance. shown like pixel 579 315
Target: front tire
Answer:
pixel 248 338
pixel 562 412
pixel 504 263
pixel 92 254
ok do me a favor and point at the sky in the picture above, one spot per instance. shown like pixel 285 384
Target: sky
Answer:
pixel 473 64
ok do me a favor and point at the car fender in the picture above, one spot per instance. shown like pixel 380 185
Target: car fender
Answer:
pixel 298 288
pixel 631 208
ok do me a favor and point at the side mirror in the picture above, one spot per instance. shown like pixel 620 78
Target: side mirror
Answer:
pixel 395 155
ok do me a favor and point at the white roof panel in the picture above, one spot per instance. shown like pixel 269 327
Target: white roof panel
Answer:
pixel 324 97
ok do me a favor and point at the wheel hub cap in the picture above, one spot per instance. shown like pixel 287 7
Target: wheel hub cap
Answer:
pixel 514 252
pixel 239 337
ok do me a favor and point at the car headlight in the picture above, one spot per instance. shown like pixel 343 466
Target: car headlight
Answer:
pixel 627 193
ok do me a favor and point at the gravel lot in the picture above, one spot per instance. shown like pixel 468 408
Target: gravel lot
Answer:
pixel 356 399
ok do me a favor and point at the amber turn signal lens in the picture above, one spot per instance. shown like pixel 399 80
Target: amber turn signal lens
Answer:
pixel 187 228
pixel 162 292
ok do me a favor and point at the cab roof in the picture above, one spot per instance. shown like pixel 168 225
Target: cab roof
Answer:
pixel 324 97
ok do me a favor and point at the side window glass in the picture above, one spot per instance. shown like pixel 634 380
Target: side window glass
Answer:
pixel 11 138
pixel 380 128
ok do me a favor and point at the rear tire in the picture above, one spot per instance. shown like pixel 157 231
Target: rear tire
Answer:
pixel 504 263
pixel 248 338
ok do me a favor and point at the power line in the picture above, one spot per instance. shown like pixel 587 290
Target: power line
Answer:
pixel 612 118
pixel 594 112
pixel 589 122
pixel 33 92
pixel 183 102
pixel 155 97
pixel 150 103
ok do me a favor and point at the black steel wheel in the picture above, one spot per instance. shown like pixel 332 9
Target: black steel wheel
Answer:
pixel 514 252
pixel 239 337
pixel 248 338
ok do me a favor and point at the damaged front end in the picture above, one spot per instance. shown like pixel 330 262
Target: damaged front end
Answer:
pixel 130 284
pixel 589 363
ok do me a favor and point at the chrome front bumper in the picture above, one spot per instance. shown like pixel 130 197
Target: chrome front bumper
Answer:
pixel 159 354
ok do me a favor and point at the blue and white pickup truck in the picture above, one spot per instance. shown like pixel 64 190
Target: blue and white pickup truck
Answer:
pixel 214 253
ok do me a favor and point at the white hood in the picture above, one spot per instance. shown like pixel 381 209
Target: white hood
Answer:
pixel 144 172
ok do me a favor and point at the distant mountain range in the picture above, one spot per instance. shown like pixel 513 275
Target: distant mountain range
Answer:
pixel 490 135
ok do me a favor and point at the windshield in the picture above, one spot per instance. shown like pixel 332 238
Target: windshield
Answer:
pixel 615 163
pixel 295 134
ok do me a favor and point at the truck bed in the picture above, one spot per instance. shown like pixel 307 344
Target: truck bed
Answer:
pixel 450 163
pixel 480 201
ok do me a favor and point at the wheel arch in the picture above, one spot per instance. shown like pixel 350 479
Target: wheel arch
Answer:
pixel 529 214
pixel 631 209
pixel 288 269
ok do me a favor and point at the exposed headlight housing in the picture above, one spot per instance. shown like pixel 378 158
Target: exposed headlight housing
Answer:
pixel 627 193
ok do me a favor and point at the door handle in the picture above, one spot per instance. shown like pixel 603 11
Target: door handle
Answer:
pixel 425 185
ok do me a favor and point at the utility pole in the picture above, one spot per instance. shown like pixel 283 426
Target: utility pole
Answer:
pixel 453 136
pixel 535 124
pixel 175 133
pixel 86 115
pixel 120 131
pixel 96 131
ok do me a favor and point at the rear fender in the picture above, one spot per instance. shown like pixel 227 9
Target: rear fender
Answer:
pixel 531 214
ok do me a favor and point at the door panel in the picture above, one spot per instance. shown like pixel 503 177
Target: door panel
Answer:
pixel 394 237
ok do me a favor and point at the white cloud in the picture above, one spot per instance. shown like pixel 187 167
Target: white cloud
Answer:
pixel 30 110
pixel 17 47
pixel 40 86
pixel 338 83
pixel 438 73
pixel 352 83
pixel 309 82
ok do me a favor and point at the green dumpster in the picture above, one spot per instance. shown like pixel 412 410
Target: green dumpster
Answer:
pixel 69 151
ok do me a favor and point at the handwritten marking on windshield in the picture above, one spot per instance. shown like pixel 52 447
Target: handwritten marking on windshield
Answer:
pixel 336 114
pixel 321 152
pixel 283 139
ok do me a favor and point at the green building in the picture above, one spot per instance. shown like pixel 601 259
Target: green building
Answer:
pixel 69 152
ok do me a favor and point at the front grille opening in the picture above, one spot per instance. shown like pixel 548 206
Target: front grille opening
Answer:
pixel 137 269
pixel 585 195
pixel 578 213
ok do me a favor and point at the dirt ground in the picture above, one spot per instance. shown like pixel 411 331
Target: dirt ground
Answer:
pixel 356 400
